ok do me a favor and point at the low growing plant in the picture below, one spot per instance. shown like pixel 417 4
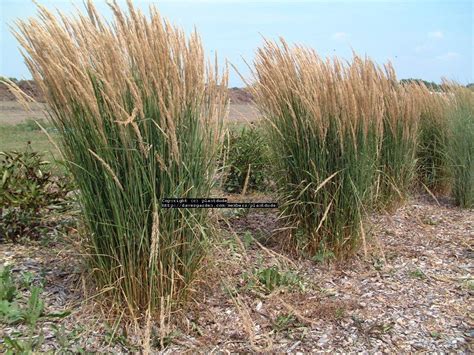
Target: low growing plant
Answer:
pixel 13 310
pixel 270 278
pixel 28 189
pixel 246 160
pixel 8 289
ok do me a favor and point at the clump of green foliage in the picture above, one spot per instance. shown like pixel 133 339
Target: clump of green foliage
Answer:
pixel 8 288
pixel 461 146
pixel 268 279
pixel 28 190
pixel 12 312
pixel 246 160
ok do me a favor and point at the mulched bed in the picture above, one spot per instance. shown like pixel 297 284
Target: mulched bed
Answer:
pixel 410 290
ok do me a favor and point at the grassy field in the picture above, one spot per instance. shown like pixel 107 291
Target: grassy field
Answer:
pixel 17 127
pixel 16 137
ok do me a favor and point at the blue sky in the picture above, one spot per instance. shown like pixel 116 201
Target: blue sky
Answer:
pixel 423 39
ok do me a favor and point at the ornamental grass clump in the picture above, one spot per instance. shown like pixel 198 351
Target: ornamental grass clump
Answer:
pixel 399 141
pixel 433 162
pixel 324 120
pixel 139 111
pixel 461 146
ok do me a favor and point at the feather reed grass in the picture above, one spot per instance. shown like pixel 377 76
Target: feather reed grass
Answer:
pixel 397 162
pixel 324 120
pixel 434 167
pixel 139 111
pixel 461 146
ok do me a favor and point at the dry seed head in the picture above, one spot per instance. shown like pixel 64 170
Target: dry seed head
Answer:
pixel 146 58
pixel 296 81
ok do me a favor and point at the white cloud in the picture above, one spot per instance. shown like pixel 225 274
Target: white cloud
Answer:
pixel 429 43
pixel 340 36
pixel 448 56
pixel 423 48
pixel 436 34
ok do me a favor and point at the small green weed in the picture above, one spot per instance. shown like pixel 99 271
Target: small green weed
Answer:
pixel 8 288
pixel 378 263
pixel 248 239
pixel 469 284
pixel 13 310
pixel 27 279
pixel 435 335
pixel 17 346
pixel 322 256
pixel 66 339
pixel 269 279
pixel 340 313
pixel 34 308
pixel 284 322
pixel 10 313
pixel 417 273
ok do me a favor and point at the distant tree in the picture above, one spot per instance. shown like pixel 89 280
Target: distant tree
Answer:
pixel 429 84
pixel 3 78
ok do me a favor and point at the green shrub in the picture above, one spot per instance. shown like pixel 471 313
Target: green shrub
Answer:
pixel 28 189
pixel 139 113
pixel 461 146
pixel 246 160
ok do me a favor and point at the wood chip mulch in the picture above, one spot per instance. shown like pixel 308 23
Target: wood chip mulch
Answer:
pixel 411 290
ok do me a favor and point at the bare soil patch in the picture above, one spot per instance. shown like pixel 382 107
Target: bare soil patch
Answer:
pixel 11 112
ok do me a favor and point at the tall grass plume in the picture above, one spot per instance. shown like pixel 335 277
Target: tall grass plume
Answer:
pixel 398 147
pixel 324 120
pixel 139 112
